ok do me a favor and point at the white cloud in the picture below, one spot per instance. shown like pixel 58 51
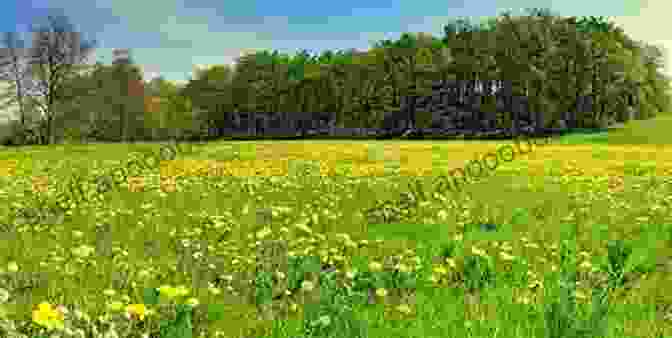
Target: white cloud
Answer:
pixel 649 25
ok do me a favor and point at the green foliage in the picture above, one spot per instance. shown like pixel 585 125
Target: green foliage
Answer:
pixel 423 119
pixel 478 272
pixel 180 327
pixel 554 59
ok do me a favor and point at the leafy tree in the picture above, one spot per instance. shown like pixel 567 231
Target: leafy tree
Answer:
pixel 171 111
pixel 211 92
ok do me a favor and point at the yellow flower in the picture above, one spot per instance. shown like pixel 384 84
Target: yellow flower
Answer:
pixel 47 316
pixel 586 265
pixel 136 310
pixel 381 292
pixel 404 308
pixel 532 245
pixel 478 251
pixel 83 251
pixel 440 270
pixel 505 256
pixel 403 268
pixel 182 290
pixel 375 266
pixel 12 267
pixel 307 285
pixel 168 291
pixel 4 295
pixel 192 301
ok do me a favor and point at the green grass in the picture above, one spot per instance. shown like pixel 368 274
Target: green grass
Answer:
pixel 495 282
pixel 654 132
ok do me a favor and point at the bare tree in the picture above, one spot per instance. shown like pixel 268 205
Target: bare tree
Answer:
pixel 56 52
pixel 13 70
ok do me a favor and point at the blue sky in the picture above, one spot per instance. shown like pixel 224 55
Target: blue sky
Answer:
pixel 169 37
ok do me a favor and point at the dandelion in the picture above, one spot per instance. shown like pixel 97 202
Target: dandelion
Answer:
pixel 532 245
pixel 344 237
pixel 182 290
pixel 168 291
pixel 375 266
pixel 144 273
pixel 381 292
pixel 478 251
pixel 192 302
pixel 48 317
pixel 506 256
pixel 403 268
pixel 226 277
pixel 264 232
pixel 12 267
pixel 307 285
pixel 404 308
pixel 580 295
pixel 586 265
pixel 440 270
pixel 4 295
pixel 109 292
pixel 136 311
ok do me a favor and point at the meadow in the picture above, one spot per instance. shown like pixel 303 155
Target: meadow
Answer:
pixel 334 239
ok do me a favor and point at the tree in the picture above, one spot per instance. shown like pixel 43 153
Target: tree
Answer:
pixel 13 69
pixel 172 109
pixel 403 57
pixel 129 102
pixel 212 93
pixel 56 51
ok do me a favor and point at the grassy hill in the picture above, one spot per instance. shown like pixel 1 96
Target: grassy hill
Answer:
pixel 657 131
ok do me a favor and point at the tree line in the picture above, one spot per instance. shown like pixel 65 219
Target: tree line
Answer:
pixel 552 60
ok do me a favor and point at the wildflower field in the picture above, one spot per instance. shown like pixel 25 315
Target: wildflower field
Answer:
pixel 339 239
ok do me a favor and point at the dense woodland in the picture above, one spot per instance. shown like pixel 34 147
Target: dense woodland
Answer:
pixel 556 63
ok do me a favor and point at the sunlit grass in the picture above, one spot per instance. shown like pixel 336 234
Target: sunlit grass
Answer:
pixel 284 245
